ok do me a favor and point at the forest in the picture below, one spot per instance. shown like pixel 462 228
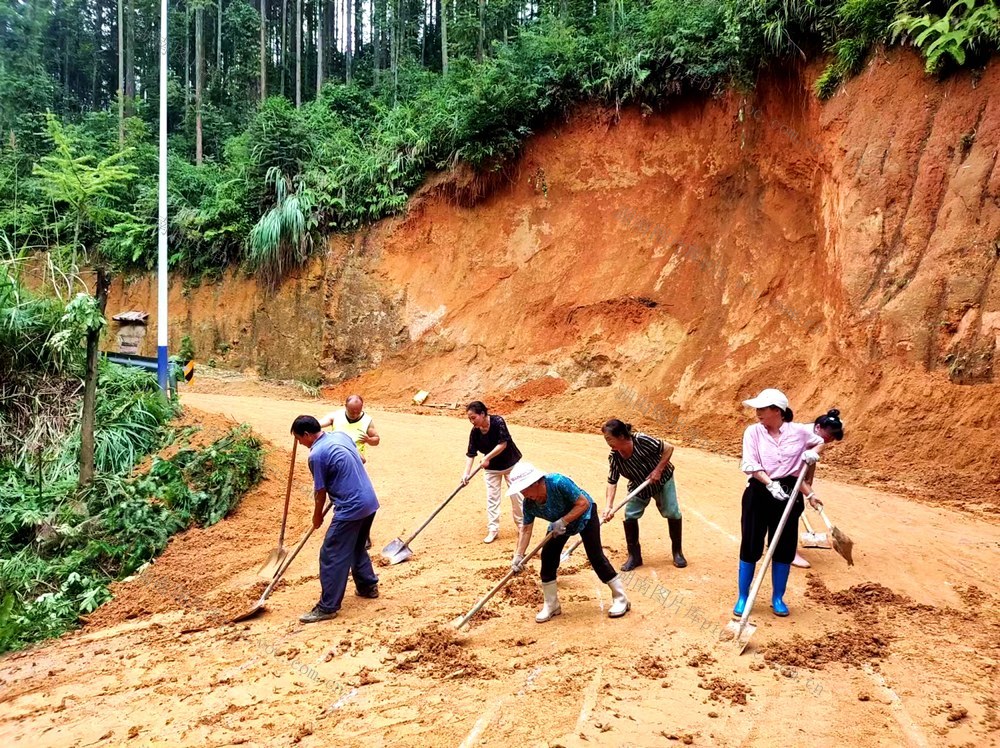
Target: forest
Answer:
pixel 288 120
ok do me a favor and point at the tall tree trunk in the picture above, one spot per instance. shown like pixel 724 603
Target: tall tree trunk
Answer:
pixel 187 58
pixel 348 39
pixel 298 53
pixel 218 40
pixel 482 30
pixel 320 19
pixel 130 59
pixel 262 87
pixel 90 385
pixel 121 77
pixel 359 27
pixel 284 42
pixel 98 51
pixel 443 20
pixel 378 22
pixel 199 78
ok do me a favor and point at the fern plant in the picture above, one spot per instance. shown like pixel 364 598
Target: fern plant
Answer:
pixel 969 27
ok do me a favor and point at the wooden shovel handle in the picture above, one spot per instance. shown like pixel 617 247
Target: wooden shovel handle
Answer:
pixel 501 584
pixel 759 576
pixel 441 506
pixel 288 493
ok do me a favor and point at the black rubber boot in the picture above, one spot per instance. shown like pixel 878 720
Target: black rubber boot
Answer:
pixel 675 542
pixel 634 549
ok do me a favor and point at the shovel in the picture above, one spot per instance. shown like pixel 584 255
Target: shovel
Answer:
pixel 259 606
pixel 565 554
pixel 813 539
pixel 739 632
pixel 274 559
pixel 398 551
pixel 459 622
pixel 841 543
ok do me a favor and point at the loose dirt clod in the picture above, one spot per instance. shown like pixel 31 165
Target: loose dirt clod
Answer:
pixel 651 667
pixel 721 689
pixel 851 647
pixel 437 650
pixel 522 589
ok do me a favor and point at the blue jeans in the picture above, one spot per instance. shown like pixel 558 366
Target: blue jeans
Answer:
pixel 344 551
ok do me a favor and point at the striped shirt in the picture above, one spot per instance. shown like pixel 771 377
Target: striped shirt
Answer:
pixel 646 454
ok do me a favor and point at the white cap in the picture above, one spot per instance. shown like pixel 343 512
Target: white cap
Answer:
pixel 522 475
pixel 767 398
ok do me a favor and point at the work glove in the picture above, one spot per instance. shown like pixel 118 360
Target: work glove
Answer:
pixel 517 565
pixel 810 457
pixel 777 491
pixel 558 527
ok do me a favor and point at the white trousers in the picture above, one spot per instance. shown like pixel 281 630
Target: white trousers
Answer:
pixel 494 487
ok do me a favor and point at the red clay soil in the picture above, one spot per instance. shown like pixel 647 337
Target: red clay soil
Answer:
pixel 676 262
pixel 159 666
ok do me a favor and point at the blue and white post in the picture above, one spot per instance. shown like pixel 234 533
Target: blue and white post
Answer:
pixel 162 371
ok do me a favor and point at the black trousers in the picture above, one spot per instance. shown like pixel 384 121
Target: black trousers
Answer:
pixel 761 514
pixel 591 535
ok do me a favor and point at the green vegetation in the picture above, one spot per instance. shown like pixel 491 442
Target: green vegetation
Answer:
pixel 62 544
pixel 270 148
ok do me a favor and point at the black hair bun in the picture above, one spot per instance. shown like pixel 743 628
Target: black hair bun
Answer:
pixel 833 413
pixel 628 427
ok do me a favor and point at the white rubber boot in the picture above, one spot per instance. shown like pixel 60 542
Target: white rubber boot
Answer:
pixel 619 602
pixel 551 607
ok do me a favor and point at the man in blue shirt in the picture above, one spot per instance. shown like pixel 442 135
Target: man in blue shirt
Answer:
pixel 339 474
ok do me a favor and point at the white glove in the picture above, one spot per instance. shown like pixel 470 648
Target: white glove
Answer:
pixel 777 491
pixel 517 565
pixel 810 457
pixel 558 527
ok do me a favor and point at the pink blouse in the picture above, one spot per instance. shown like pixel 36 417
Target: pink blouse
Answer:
pixel 779 457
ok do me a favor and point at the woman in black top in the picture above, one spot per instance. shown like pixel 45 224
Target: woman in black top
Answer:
pixel 638 457
pixel 489 436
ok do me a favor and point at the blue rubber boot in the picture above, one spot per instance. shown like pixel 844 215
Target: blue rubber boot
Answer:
pixel 746 579
pixel 779 580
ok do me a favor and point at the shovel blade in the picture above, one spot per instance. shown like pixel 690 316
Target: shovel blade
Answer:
pixel 815 540
pixel 396 552
pixel 252 612
pixel 738 635
pixel 400 556
pixel 394 547
pixel 273 563
pixel 844 546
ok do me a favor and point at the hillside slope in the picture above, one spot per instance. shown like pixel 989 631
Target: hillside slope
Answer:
pixel 676 262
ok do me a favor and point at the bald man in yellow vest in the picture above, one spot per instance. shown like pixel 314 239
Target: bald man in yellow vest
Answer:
pixel 353 421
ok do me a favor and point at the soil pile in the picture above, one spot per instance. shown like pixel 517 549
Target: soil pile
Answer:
pixel 721 689
pixel 853 647
pixel 437 650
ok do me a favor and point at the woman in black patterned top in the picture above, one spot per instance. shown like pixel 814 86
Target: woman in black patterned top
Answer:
pixel 637 457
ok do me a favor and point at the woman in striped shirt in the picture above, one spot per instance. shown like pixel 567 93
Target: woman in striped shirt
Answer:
pixel 639 457
pixel 774 448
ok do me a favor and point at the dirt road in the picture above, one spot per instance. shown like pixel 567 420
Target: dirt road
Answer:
pixel 902 649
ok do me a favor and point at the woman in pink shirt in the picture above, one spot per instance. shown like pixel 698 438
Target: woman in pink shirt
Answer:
pixel 773 450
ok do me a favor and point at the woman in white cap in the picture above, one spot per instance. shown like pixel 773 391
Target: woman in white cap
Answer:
pixel 570 510
pixel 773 451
